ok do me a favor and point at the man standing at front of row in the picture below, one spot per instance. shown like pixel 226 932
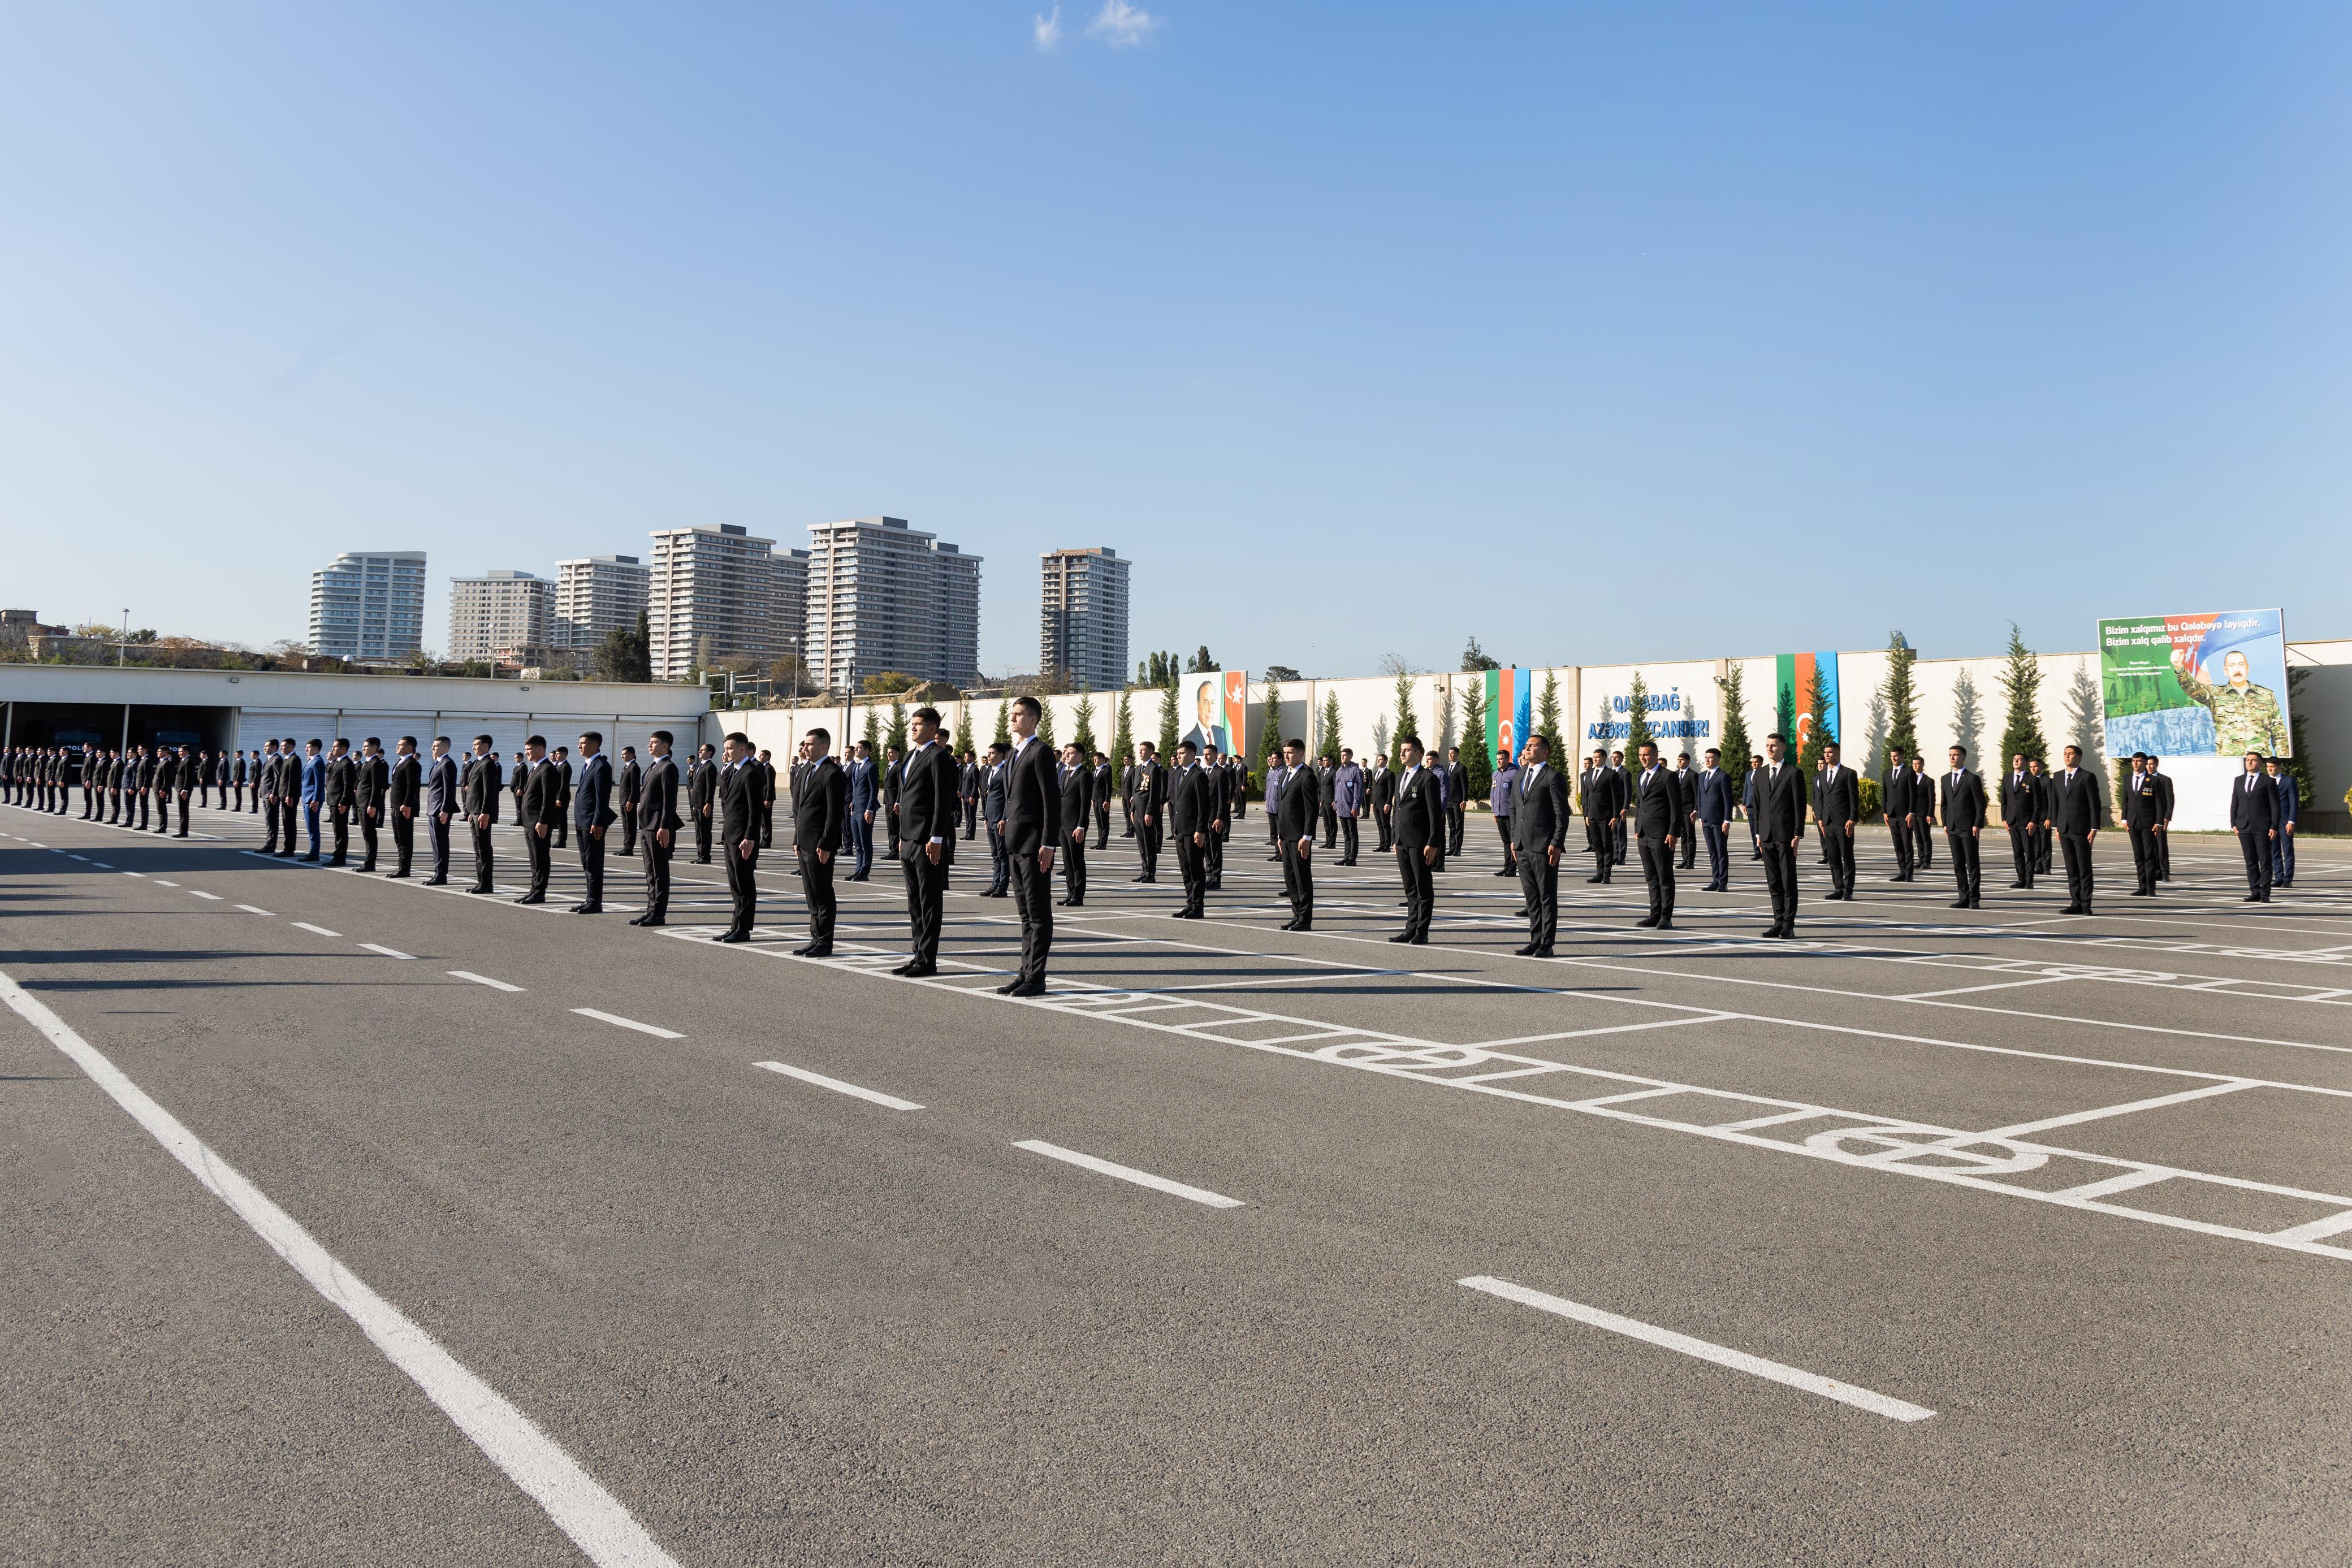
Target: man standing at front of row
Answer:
pixel 1837 807
pixel 442 806
pixel 1659 814
pixel 1420 817
pixel 1963 811
pixel 736 802
pixel 1777 818
pixel 2255 816
pixel 1294 797
pixel 927 802
pixel 1032 835
pixel 1538 833
pixel 1712 810
pixel 2077 808
pixel 820 814
pixel 592 813
pixel 482 788
pixel 658 825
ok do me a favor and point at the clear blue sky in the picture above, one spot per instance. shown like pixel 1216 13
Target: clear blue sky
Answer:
pixel 1604 331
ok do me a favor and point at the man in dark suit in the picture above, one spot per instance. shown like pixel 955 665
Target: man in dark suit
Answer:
pixel 928 815
pixel 543 808
pixel 1925 797
pixel 2165 799
pixel 820 818
pixel 404 785
pixel 767 799
pixel 658 820
pixel 444 804
pixel 1379 790
pixel 1778 819
pixel 1687 782
pixel 2021 807
pixel 1221 811
pixel 2140 805
pixel 370 779
pixel 1711 790
pixel 1191 805
pixel 1625 801
pixel 2041 779
pixel 592 813
pixel 1538 836
pixel 1297 800
pixel 1658 818
pixel 894 781
pixel 865 799
pixel 482 789
pixel 1962 804
pixel 1894 799
pixel 1032 836
pixel 1604 807
pixel 701 791
pixel 340 797
pixel 992 820
pixel 2077 808
pixel 629 781
pixel 1077 786
pixel 237 777
pixel 1101 792
pixel 1837 807
pixel 736 803
pixel 1457 800
pixel 967 793
pixel 184 785
pixel 2254 817
pixel 1420 816
pixel 1146 784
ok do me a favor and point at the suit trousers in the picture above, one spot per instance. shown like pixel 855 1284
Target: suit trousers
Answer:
pixel 141 796
pixel 1456 827
pixel 628 827
pixel 1420 891
pixel 1539 889
pixel 269 829
pixel 1719 857
pixel 1147 846
pixel 1193 867
pixel 368 840
pixel 2163 856
pixel 1617 841
pixel 2022 850
pixel 1298 883
pixel 1102 826
pixel 592 865
pixel 816 892
pixel 2077 851
pixel 289 808
pixel 1923 842
pixel 1511 855
pixel 1381 824
pixel 1839 845
pixel 701 838
pixel 484 866
pixel 1331 827
pixel 971 817
pixel 184 814
pixel 1599 838
pixel 1350 840
pixel 437 832
pixel 1906 856
pixel 1780 881
pixel 340 821
pixel 657 877
pixel 559 832
pixel 2143 844
pixel 541 848
pixel 926 889
pixel 1658 871
pixel 1213 853
pixel 767 824
pixel 1967 868
pixel 1073 866
pixel 2257 851
pixel 2042 852
pixel 404 841
pixel 861 845
pixel 1000 867
pixel 1690 843
pixel 742 884
pixel 1033 899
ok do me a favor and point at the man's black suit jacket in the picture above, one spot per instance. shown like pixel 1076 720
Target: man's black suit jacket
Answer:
pixel 1419 813
pixel 1779 814
pixel 1032 799
pixel 1539 810
pixel 927 808
pixel 1659 811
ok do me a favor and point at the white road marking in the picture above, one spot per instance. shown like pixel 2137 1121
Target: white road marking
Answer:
pixel 77 857
pixel 387 952
pixel 1129 1172
pixel 200 893
pixel 837 1086
pixel 2091 1190
pixel 2334 1225
pixel 317 930
pixel 597 1522
pixel 2103 1112
pixel 161 883
pixel 482 980
pixel 616 1020
pixel 137 873
pixel 1738 1360
pixel 101 865
pixel 251 910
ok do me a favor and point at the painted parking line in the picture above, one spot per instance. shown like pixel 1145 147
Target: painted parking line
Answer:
pixel 161 883
pixel 597 1522
pixel 77 857
pixel 387 952
pixel 314 930
pixel 249 909
pixel 837 1086
pixel 101 865
pixel 1129 1172
pixel 1738 1360
pixel 200 893
pixel 140 875
pixel 619 1022
pixel 482 980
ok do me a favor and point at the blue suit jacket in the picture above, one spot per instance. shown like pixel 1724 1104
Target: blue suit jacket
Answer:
pixel 314 778
pixel 1711 797
pixel 2286 798
pixel 861 786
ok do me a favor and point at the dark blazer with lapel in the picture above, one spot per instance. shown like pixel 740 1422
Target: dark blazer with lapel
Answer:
pixel 820 805
pixel 1963 800
pixel 737 812
pixel 592 802
pixel 1837 796
pixel 2255 810
pixel 657 797
pixel 481 786
pixel 1538 811
pixel 1192 801
pixel 927 808
pixel 401 786
pixel 1658 811
pixel 1077 796
pixel 2075 807
pixel 1032 799
pixel 1778 815
pixel 441 778
pixel 1712 795
pixel 1297 806
pixel 1420 810
pixel 542 794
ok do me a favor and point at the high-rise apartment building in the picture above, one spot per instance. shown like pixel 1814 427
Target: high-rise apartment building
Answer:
pixel 883 596
pixel 369 605
pixel 720 592
pixel 1082 627
pixel 790 629
pixel 499 612
pixel 596 595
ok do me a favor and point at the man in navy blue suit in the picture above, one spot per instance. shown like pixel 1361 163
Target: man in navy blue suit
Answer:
pixel 864 801
pixel 1711 808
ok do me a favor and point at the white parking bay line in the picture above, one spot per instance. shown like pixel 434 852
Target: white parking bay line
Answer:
pixel 616 1020
pixel 593 1517
pixel 200 893
pixel 161 883
pixel 837 1086
pixel 101 865
pixel 317 930
pixel 482 980
pixel 1738 1360
pixel 387 952
pixel 1129 1172
pixel 251 910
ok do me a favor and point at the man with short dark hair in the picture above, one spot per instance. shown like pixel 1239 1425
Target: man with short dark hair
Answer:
pixel 864 798
pixel 2024 809
pixel 1837 807
pixel 1292 802
pixel 820 813
pixel 1604 807
pixel 2077 808
pixel 658 821
pixel 738 801
pixel 1347 800
pixel 2283 847
pixel 339 790
pixel 481 791
pixel 1148 799
pixel 2253 815
pixel 1032 835
pixel 1420 816
pixel 1658 812
pixel 928 804
pixel 701 792
pixel 372 780
pixel 1190 805
pixel 1076 779
pixel 543 808
pixel 1895 800
pixel 1689 828
pixel 626 782
pixel 2140 805
pixel 991 819
pixel 592 812
pixel 1101 792
pixel 1711 792
pixel 1962 810
pixel 403 783
pixel 1777 817
pixel 1538 819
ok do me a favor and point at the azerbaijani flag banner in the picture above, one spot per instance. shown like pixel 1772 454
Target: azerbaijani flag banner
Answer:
pixel 1508 716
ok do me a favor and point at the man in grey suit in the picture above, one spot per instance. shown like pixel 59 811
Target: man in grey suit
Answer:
pixel 592 813
pixel 1538 834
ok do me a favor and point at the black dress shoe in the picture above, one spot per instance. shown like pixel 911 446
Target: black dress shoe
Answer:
pixel 1978 904
pixel 532 898
pixel 1959 904
pixel 1647 920
pixel 1666 925
pixel 1541 953
pixel 395 876
pixel 1521 912
pixel 588 909
pixel 1402 937
pixel 1529 951
pixel 1596 879
pixel 1077 904
pixel 477 890
pixel 1417 940
pixel 821 950
pixel 1216 887
pixel 1033 989
pixel 640 920
pixel 732 937
pixel 1304 925
pixel 1010 987
pixel 1506 871
pixel 920 971
pixel 434 881
pixel 311 858
pixel 653 920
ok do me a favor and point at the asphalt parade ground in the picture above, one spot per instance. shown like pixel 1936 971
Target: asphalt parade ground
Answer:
pixel 356 1221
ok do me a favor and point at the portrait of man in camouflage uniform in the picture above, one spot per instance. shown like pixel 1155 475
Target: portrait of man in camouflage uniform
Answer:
pixel 2246 717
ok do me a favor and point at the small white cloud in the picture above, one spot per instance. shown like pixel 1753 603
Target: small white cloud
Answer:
pixel 1122 26
pixel 1048 30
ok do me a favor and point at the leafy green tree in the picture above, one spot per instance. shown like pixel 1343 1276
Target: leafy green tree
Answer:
pixel 2021 682
pixel 626 653
pixel 897 738
pixel 1082 735
pixel 1902 696
pixel 1003 721
pixel 1405 723
pixel 1733 742
pixel 1784 708
pixel 1817 728
pixel 873 732
pixel 1547 717
pixel 1473 657
pixel 1202 663
pixel 1328 743
pixel 1604 720
pixel 1637 720
pixel 1968 718
pixel 1045 723
pixel 1169 711
pixel 1476 760
pixel 2298 766
pixel 1282 673
pixel 1123 739
pixel 1269 727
